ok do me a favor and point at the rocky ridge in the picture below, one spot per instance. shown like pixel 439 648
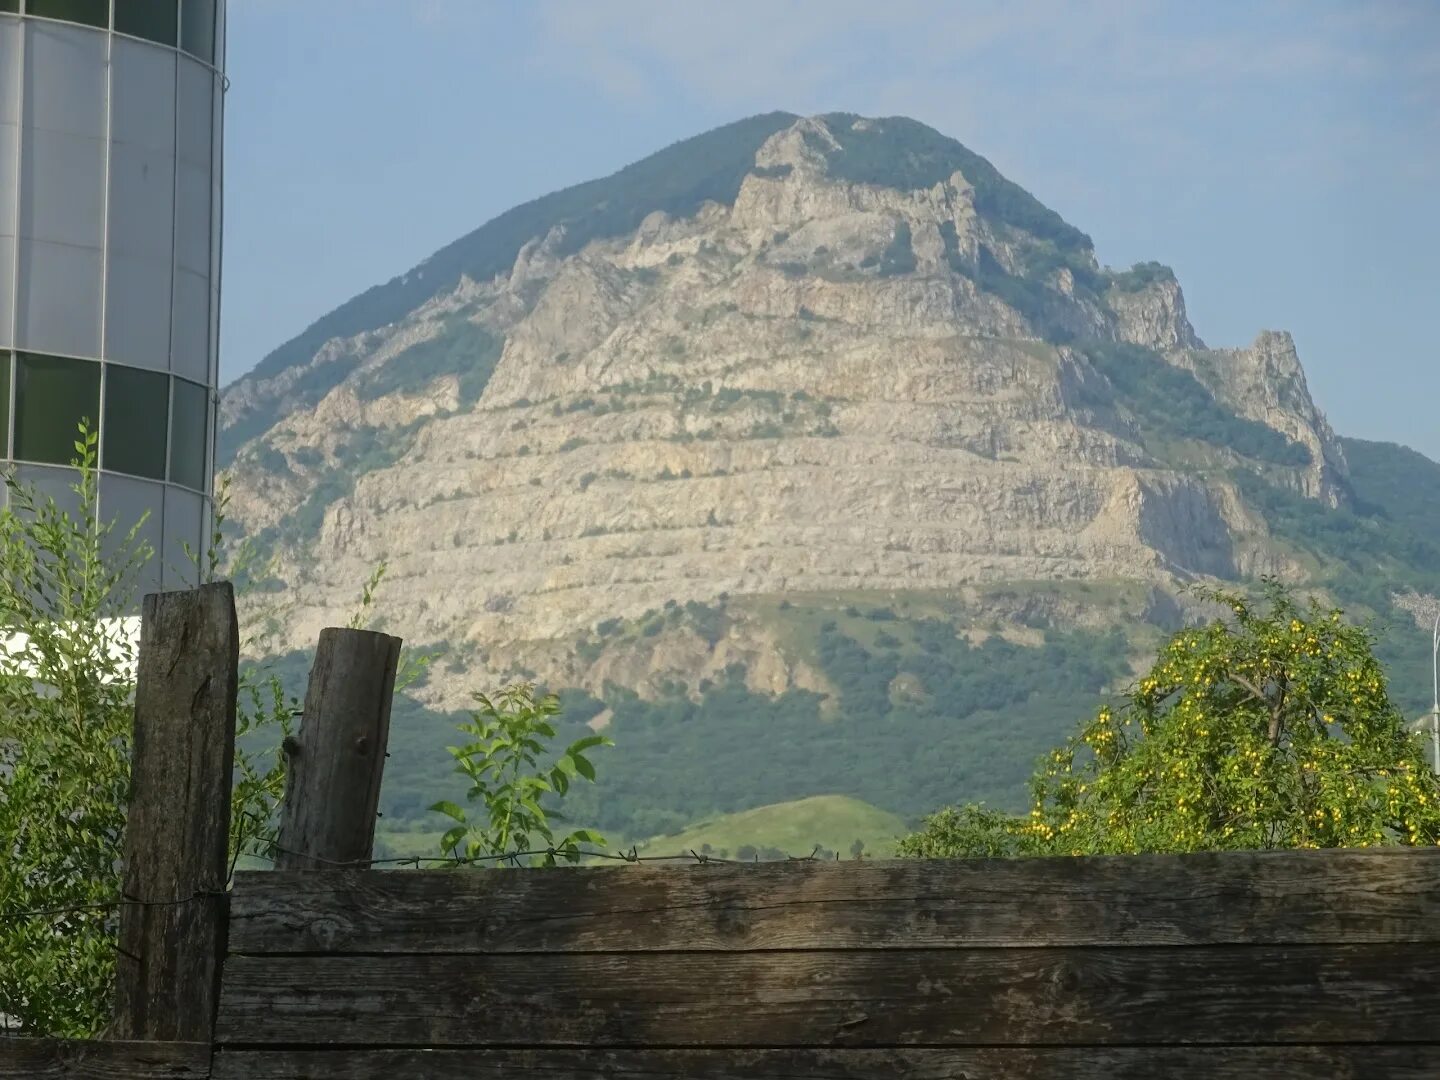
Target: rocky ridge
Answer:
pixel 838 382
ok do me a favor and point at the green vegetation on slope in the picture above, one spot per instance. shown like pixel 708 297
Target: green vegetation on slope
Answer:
pixel 1205 755
pixel 1169 401
pixel 365 449
pixel 1141 276
pixel 902 153
pixel 1395 483
pixel 1371 551
pixel 923 717
pixel 1031 293
pixel 833 823
pixel 677 180
pixel 306 392
pixel 461 348
pixel 894 152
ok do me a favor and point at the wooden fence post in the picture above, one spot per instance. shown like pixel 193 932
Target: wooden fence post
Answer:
pixel 333 785
pixel 177 832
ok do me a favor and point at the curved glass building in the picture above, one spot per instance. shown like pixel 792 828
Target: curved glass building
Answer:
pixel 110 209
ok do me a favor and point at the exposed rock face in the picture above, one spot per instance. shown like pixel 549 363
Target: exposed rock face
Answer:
pixel 830 385
pixel 1154 317
pixel 1266 383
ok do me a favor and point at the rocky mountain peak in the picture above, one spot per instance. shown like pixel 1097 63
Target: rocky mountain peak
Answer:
pixel 812 355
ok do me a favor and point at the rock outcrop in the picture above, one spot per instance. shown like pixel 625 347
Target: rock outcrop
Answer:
pixel 829 384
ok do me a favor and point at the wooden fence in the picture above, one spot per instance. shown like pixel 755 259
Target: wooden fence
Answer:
pixel 1281 965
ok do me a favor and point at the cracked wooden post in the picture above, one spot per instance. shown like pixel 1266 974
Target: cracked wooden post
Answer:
pixel 332 788
pixel 177 832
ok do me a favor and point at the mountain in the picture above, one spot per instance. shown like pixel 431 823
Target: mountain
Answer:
pixel 807 456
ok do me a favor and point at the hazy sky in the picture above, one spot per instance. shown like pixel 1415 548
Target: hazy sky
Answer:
pixel 1284 157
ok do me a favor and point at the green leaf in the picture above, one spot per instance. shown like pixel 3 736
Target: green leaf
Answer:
pixel 589 741
pixel 449 809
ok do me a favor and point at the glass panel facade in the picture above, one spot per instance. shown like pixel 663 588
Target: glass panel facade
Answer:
pixel 4 403
pixel 58 295
pixel 142 96
pixel 11 34
pixel 189 415
pixel 101 130
pixel 9 163
pixel 88 12
pixel 64 77
pixel 127 503
pixel 142 201
pixel 52 395
pixel 184 526
pixel 190 329
pixel 136 403
pixel 7 291
pixel 197 28
pixel 62 188
pixel 194 113
pixel 137 312
pixel 153 20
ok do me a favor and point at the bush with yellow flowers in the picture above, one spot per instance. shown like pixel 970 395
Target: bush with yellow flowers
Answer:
pixel 1268 729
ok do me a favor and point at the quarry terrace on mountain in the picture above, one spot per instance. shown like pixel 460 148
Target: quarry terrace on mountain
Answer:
pixel 793 428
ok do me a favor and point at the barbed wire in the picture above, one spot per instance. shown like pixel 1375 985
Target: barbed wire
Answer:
pixel 113 904
pixel 567 855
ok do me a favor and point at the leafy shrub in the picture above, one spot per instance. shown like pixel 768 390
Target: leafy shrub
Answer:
pixel 1273 729
pixel 67 688
pixel 507 736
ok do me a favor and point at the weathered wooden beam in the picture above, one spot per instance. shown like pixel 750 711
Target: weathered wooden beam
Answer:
pixel 172 935
pixel 1137 995
pixel 73 1059
pixel 335 767
pixel 1085 1063
pixel 1299 897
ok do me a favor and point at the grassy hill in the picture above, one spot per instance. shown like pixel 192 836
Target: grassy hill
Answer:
pixel 831 822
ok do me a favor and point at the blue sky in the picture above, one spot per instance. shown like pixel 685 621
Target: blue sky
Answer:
pixel 1284 157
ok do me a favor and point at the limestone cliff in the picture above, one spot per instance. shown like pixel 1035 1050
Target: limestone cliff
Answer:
pixel 868 363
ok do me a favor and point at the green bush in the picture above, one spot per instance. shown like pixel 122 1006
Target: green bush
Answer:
pixel 67 689
pixel 505 738
pixel 1271 728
